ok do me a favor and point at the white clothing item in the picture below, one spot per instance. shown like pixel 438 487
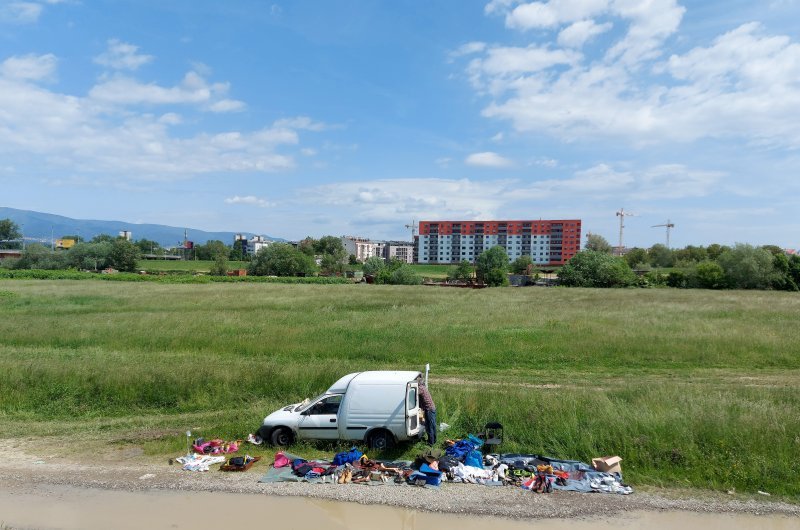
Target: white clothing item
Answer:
pixel 197 462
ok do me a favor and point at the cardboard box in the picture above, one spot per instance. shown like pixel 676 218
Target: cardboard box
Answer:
pixel 607 464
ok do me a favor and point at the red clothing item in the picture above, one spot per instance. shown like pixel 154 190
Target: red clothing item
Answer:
pixel 425 399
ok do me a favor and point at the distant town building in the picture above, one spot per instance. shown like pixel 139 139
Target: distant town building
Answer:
pixel 360 247
pixel 250 247
pixel 401 250
pixel 547 242
pixel 65 243
pixel 126 234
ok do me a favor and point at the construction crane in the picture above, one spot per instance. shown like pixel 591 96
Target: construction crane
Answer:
pixel 622 214
pixel 413 226
pixel 669 226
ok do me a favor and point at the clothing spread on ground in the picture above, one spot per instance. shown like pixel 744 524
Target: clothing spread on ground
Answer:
pixel 462 461
pixel 197 462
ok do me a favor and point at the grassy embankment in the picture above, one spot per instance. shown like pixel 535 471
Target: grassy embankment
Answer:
pixel 188 266
pixel 692 388
pixel 156 265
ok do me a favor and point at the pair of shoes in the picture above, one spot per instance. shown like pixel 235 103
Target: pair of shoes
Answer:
pixel 346 476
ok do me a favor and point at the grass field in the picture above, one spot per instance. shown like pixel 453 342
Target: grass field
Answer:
pixel 185 266
pixel 427 271
pixel 692 388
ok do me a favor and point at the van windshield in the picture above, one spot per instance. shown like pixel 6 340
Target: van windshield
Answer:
pixel 306 402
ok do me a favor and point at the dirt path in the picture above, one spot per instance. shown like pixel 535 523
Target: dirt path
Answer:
pixel 28 468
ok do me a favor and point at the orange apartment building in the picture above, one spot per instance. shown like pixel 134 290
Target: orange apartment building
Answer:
pixel 547 242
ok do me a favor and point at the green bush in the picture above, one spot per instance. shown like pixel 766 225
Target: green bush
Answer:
pixel 709 275
pixel 596 269
pixel 678 279
pixel 491 267
pixel 405 275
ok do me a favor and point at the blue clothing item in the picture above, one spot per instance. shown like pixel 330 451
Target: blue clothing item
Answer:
pixel 460 449
pixel 430 426
pixel 474 459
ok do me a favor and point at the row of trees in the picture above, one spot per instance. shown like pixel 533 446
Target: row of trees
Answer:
pixel 739 267
pixel 325 255
pixel 395 272
pixel 491 268
pixel 660 256
pixel 100 253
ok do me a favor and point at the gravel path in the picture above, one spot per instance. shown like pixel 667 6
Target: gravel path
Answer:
pixel 25 472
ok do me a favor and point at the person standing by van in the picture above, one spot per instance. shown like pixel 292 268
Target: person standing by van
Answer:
pixel 429 408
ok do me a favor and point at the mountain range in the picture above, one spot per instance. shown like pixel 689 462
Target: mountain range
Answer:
pixel 44 226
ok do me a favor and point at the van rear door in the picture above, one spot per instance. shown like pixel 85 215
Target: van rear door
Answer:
pixel 412 409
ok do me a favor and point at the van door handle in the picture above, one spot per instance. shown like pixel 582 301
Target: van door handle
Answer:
pixel 333 420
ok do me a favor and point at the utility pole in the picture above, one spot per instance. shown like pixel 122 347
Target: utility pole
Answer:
pixel 669 226
pixel 621 214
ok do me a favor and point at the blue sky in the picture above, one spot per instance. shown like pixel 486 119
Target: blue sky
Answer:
pixel 355 117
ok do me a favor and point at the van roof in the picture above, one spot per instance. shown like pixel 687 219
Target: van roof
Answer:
pixel 383 376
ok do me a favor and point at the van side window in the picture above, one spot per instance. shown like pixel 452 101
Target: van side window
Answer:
pixel 412 398
pixel 329 405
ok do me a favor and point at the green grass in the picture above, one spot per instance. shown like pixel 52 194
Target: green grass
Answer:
pixel 185 265
pixel 692 388
pixel 432 271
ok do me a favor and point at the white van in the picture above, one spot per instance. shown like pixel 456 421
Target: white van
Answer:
pixel 379 408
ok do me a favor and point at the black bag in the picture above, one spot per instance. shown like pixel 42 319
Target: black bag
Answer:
pixel 303 469
pixel 446 463
pixel 237 461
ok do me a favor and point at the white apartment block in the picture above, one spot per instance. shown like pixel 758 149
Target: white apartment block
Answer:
pixel 360 247
pixel 251 246
pixel 545 242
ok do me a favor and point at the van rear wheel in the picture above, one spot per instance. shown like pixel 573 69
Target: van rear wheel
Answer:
pixel 380 439
pixel 281 436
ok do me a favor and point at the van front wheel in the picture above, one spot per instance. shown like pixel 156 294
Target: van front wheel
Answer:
pixel 380 439
pixel 281 436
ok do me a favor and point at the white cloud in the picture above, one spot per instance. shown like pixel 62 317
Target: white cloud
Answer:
pixel 170 118
pixel 399 200
pixel 307 151
pixel 501 61
pixel 194 89
pixel 549 14
pixel 301 122
pixel 443 162
pixel 93 136
pixel 129 91
pixel 742 85
pixel 546 162
pixel 29 67
pixel 20 12
pixel 122 56
pixel 578 33
pixel 675 181
pixel 497 6
pixel 651 23
pixel 250 200
pixel 602 181
pixel 227 105
pixel 469 48
pixel 488 159
pixel 595 190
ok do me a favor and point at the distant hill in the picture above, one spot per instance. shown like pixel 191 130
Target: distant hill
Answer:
pixel 43 225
